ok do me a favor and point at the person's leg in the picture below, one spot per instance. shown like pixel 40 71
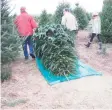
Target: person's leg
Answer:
pixel 99 40
pixel 31 47
pixel 91 39
pixel 25 49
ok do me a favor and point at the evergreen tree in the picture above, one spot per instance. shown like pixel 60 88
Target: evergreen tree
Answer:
pixel 51 19
pixel 59 12
pixel 44 18
pixel 9 39
pixel 81 16
pixel 89 16
pixel 106 18
pixel 37 18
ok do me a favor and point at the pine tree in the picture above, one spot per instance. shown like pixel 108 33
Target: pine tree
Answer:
pixel 44 18
pixel 51 19
pixel 81 16
pixel 59 12
pixel 9 39
pixel 89 15
pixel 106 18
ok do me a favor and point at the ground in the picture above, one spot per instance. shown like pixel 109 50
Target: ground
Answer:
pixel 27 88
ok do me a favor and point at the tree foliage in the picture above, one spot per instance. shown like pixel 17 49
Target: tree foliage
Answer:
pixel 9 39
pixel 106 18
pixel 89 15
pixel 81 16
pixel 44 18
pixel 59 12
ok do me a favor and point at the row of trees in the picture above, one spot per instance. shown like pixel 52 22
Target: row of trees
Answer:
pixel 9 41
pixel 83 18
pixel 106 17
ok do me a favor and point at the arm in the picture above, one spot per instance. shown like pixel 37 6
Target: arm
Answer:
pixel 89 27
pixel 33 24
pixel 63 21
pixel 16 25
pixel 99 25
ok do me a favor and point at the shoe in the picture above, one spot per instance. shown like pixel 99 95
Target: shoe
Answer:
pixel 26 58
pixel 88 45
pixel 32 55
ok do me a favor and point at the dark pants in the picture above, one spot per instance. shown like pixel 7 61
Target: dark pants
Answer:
pixel 91 39
pixel 97 35
pixel 28 42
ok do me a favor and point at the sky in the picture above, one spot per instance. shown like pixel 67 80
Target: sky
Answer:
pixel 35 7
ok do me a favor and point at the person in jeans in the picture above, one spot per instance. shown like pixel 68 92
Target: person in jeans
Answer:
pixel 26 25
pixel 96 30
pixel 70 22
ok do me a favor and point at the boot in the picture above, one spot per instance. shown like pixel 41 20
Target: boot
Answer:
pixel 88 45
pixel 26 58
pixel 100 45
pixel 32 55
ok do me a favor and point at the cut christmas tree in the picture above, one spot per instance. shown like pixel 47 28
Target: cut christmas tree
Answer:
pixel 55 48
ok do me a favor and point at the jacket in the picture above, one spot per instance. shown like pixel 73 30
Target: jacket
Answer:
pixel 96 25
pixel 25 24
pixel 69 21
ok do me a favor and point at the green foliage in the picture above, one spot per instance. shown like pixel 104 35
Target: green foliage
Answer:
pixel 81 16
pixel 106 21
pixel 59 12
pixel 44 18
pixel 37 18
pixel 89 16
pixel 9 39
pixel 14 103
pixel 56 49
pixel 5 72
pixel 51 18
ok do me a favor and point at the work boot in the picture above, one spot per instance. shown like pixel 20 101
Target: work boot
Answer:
pixel 32 55
pixel 26 58
pixel 88 45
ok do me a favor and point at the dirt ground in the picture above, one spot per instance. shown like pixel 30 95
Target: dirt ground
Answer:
pixel 27 89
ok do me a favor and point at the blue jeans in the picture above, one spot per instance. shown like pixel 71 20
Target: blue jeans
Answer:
pixel 28 42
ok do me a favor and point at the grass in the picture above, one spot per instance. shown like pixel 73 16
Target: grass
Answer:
pixel 15 103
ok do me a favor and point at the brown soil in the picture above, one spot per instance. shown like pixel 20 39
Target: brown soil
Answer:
pixel 28 90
